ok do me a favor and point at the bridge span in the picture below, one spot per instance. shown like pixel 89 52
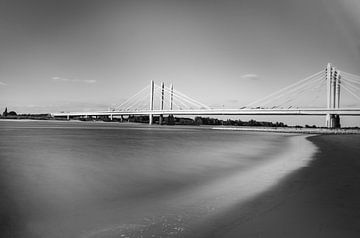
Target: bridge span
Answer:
pixel 155 100
pixel 219 112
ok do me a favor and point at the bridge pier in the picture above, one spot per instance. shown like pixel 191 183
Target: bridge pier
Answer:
pixel 337 121
pixel 333 121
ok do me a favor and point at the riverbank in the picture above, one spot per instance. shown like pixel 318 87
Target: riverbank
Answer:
pixel 321 200
pixel 302 130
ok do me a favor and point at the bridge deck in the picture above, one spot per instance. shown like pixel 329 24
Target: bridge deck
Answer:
pixel 297 111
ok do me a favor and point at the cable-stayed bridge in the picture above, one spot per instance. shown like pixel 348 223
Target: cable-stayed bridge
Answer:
pixel 317 94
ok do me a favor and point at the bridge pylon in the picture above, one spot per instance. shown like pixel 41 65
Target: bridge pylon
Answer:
pixel 333 95
pixel 161 116
pixel 151 102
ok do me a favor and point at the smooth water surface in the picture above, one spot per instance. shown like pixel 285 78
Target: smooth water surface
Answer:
pixel 86 179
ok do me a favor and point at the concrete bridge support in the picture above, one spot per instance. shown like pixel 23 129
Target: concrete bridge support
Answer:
pixel 332 121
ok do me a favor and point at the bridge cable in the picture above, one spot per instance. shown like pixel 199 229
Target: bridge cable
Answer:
pixel 181 98
pixel 350 79
pixel 349 91
pixel 351 75
pixel 174 97
pixel 199 103
pixel 286 88
pixel 350 84
pixel 159 94
pixel 295 99
pixel 128 100
pixel 187 98
pixel 293 86
pixel 299 88
pixel 294 91
pixel 137 101
pixel 303 91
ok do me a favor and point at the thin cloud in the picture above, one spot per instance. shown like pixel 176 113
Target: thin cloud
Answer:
pixel 250 77
pixel 74 80
pixel 232 101
pixel 2 84
pixel 88 81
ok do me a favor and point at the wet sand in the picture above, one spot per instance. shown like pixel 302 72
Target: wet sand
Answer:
pixel 296 130
pixel 320 200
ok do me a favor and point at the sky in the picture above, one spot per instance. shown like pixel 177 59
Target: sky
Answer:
pixel 76 55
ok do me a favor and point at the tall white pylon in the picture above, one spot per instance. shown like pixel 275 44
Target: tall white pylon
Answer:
pixel 171 96
pixel 162 102
pixel 333 95
pixel 151 102
pixel 337 90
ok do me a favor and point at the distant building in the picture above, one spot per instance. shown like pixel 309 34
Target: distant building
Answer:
pixel 11 113
pixel 5 113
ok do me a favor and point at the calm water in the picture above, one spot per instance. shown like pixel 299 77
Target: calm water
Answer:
pixel 72 179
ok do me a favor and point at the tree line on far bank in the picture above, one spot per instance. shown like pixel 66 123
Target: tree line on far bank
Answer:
pixel 171 120
pixel 229 122
pixel 13 115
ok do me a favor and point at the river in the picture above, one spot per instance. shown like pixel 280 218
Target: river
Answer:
pixel 87 179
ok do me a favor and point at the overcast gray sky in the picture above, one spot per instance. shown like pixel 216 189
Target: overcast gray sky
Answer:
pixel 84 54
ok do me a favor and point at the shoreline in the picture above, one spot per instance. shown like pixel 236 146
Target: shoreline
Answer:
pixel 319 200
pixel 292 130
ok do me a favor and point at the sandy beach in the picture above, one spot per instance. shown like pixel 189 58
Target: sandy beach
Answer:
pixel 320 200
